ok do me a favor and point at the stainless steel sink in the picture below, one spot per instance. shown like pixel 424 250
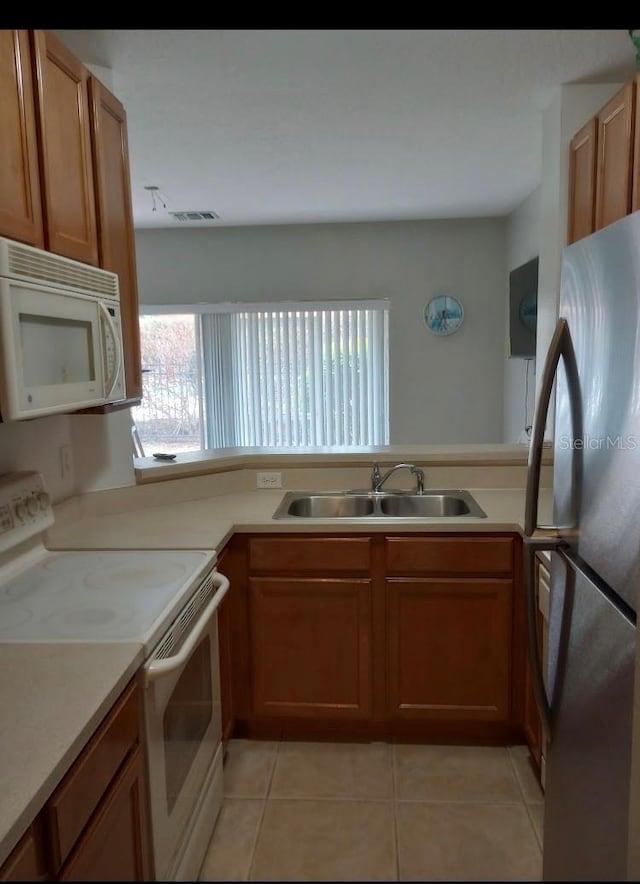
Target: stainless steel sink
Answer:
pixel 327 506
pixel 380 505
pixel 427 505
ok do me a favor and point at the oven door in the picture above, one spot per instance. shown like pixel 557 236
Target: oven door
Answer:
pixel 182 722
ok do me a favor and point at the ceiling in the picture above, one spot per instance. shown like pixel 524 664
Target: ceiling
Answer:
pixel 299 126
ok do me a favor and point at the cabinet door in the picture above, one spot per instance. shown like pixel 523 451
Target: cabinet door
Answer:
pixel 76 798
pixel 450 648
pixel 615 157
pixel 20 206
pixel 582 182
pixel 311 647
pixel 27 861
pixel 115 218
pixel 65 150
pixel 635 200
pixel 114 847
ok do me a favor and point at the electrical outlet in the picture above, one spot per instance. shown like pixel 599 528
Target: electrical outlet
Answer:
pixel 269 480
pixel 66 461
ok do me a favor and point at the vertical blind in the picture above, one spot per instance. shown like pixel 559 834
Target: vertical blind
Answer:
pixel 312 376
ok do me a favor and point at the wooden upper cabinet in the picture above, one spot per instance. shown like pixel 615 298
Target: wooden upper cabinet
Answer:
pixel 20 202
pixel 65 150
pixel 116 242
pixel 615 157
pixel 635 199
pixel 582 182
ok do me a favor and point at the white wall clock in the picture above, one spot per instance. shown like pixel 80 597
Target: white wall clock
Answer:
pixel 443 315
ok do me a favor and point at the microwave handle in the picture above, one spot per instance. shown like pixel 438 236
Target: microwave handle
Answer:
pixel 110 383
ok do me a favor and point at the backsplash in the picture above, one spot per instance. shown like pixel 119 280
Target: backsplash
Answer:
pixel 36 445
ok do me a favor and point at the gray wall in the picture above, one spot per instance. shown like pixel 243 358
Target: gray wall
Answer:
pixel 442 390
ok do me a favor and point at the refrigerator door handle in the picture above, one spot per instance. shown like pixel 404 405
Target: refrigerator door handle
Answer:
pixel 560 346
pixel 540 538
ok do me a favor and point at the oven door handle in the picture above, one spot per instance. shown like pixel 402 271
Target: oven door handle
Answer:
pixel 155 669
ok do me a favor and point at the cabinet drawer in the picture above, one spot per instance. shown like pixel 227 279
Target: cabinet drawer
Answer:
pixel 309 554
pixel 450 555
pixel 76 798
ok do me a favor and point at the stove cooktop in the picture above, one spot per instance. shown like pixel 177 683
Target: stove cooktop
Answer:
pixel 100 595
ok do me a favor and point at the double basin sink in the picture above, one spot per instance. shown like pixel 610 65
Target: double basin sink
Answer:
pixel 378 505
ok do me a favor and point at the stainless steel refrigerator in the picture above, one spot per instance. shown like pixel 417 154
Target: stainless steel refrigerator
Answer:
pixel 593 364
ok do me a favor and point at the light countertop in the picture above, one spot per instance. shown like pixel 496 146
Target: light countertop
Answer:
pixel 54 696
pixel 210 522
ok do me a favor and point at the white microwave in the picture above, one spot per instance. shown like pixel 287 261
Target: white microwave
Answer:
pixel 60 334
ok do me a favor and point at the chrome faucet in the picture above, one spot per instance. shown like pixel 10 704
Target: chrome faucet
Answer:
pixel 378 480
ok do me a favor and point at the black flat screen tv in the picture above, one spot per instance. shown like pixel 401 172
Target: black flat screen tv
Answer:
pixel 523 310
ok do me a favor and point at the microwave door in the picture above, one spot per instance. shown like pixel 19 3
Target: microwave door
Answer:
pixel 52 357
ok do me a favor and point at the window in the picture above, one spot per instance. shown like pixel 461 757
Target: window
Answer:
pixel 169 417
pixel 268 375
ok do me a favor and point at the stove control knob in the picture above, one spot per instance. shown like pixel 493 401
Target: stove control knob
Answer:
pixel 44 500
pixel 32 505
pixel 21 511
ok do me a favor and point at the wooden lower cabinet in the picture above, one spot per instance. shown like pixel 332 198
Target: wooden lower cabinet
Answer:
pixel 27 861
pixel 450 649
pixel 386 637
pixel 311 647
pixel 113 848
pixel 95 825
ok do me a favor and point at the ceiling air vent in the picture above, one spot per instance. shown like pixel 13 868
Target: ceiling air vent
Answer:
pixel 195 216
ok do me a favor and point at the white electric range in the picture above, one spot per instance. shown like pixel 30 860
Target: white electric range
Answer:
pixel 167 601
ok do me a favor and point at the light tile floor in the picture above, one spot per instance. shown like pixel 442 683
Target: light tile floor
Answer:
pixel 376 812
